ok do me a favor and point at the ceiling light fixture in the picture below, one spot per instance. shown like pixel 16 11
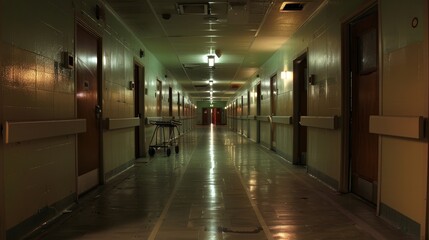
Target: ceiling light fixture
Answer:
pixel 211 60
pixel 211 82
pixel 292 6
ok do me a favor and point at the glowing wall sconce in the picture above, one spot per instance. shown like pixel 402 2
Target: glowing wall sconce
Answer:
pixel 252 94
pixel 286 75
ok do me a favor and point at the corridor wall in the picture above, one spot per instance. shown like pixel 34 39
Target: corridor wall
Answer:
pixel 38 178
pixel 403 47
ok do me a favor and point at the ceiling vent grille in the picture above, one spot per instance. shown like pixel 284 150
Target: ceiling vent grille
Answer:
pixel 291 7
pixel 193 8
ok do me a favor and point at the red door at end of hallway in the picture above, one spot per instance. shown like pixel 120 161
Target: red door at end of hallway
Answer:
pixel 87 69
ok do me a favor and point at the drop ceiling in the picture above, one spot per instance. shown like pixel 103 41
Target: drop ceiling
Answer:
pixel 182 33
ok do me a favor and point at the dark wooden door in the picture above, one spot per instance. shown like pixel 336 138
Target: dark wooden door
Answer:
pixel 178 104
pixel 213 112
pixel 139 109
pixel 258 112
pixel 170 102
pixel 87 75
pixel 206 116
pixel 158 98
pixel 219 116
pixel 240 115
pixel 183 105
pixel 300 109
pixel 236 115
pixel 365 102
pixel 273 102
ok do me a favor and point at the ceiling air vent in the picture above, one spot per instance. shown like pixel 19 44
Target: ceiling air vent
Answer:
pixel 193 8
pixel 291 7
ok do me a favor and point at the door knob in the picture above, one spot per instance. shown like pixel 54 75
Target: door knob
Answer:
pixel 98 111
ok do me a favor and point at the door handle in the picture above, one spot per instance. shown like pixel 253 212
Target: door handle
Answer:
pixel 98 111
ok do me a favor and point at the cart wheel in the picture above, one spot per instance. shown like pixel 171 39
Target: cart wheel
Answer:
pixel 176 149
pixel 151 151
pixel 168 152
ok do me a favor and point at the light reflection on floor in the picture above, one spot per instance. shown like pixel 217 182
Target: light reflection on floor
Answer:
pixel 219 186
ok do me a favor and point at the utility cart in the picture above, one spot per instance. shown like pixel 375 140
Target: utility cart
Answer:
pixel 164 136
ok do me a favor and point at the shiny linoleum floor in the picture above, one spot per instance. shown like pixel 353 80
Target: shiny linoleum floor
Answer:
pixel 219 186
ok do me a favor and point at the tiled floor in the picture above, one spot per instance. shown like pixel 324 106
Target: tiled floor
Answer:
pixel 219 186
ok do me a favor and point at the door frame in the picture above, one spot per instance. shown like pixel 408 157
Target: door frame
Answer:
pixel 248 114
pixel 296 158
pixel 258 110
pixel 158 95
pixel 273 110
pixel 139 90
pixel 96 34
pixel 205 116
pixel 170 101
pixel 345 164
pixel 178 105
pixel 241 115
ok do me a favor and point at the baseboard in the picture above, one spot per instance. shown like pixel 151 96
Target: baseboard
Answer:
pixel 323 177
pixel 42 216
pixel 397 219
pixel 111 174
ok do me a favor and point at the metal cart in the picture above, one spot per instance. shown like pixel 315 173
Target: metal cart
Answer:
pixel 162 140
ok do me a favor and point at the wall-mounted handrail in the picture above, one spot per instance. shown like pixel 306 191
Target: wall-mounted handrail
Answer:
pixel 282 119
pixel 24 131
pixel 263 118
pixel 398 126
pixel 326 122
pixel 119 123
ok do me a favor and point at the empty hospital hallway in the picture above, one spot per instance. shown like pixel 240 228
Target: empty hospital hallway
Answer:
pixel 219 186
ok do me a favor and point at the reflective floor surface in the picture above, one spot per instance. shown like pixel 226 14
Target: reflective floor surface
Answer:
pixel 219 186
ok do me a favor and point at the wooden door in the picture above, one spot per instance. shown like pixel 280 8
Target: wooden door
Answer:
pixel 248 113
pixel 170 101
pixel 273 103
pixel 258 112
pixel 206 116
pixel 213 112
pixel 364 102
pixel 219 116
pixel 178 104
pixel 88 107
pixel 236 115
pixel 183 105
pixel 158 98
pixel 300 86
pixel 139 109
pixel 241 114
